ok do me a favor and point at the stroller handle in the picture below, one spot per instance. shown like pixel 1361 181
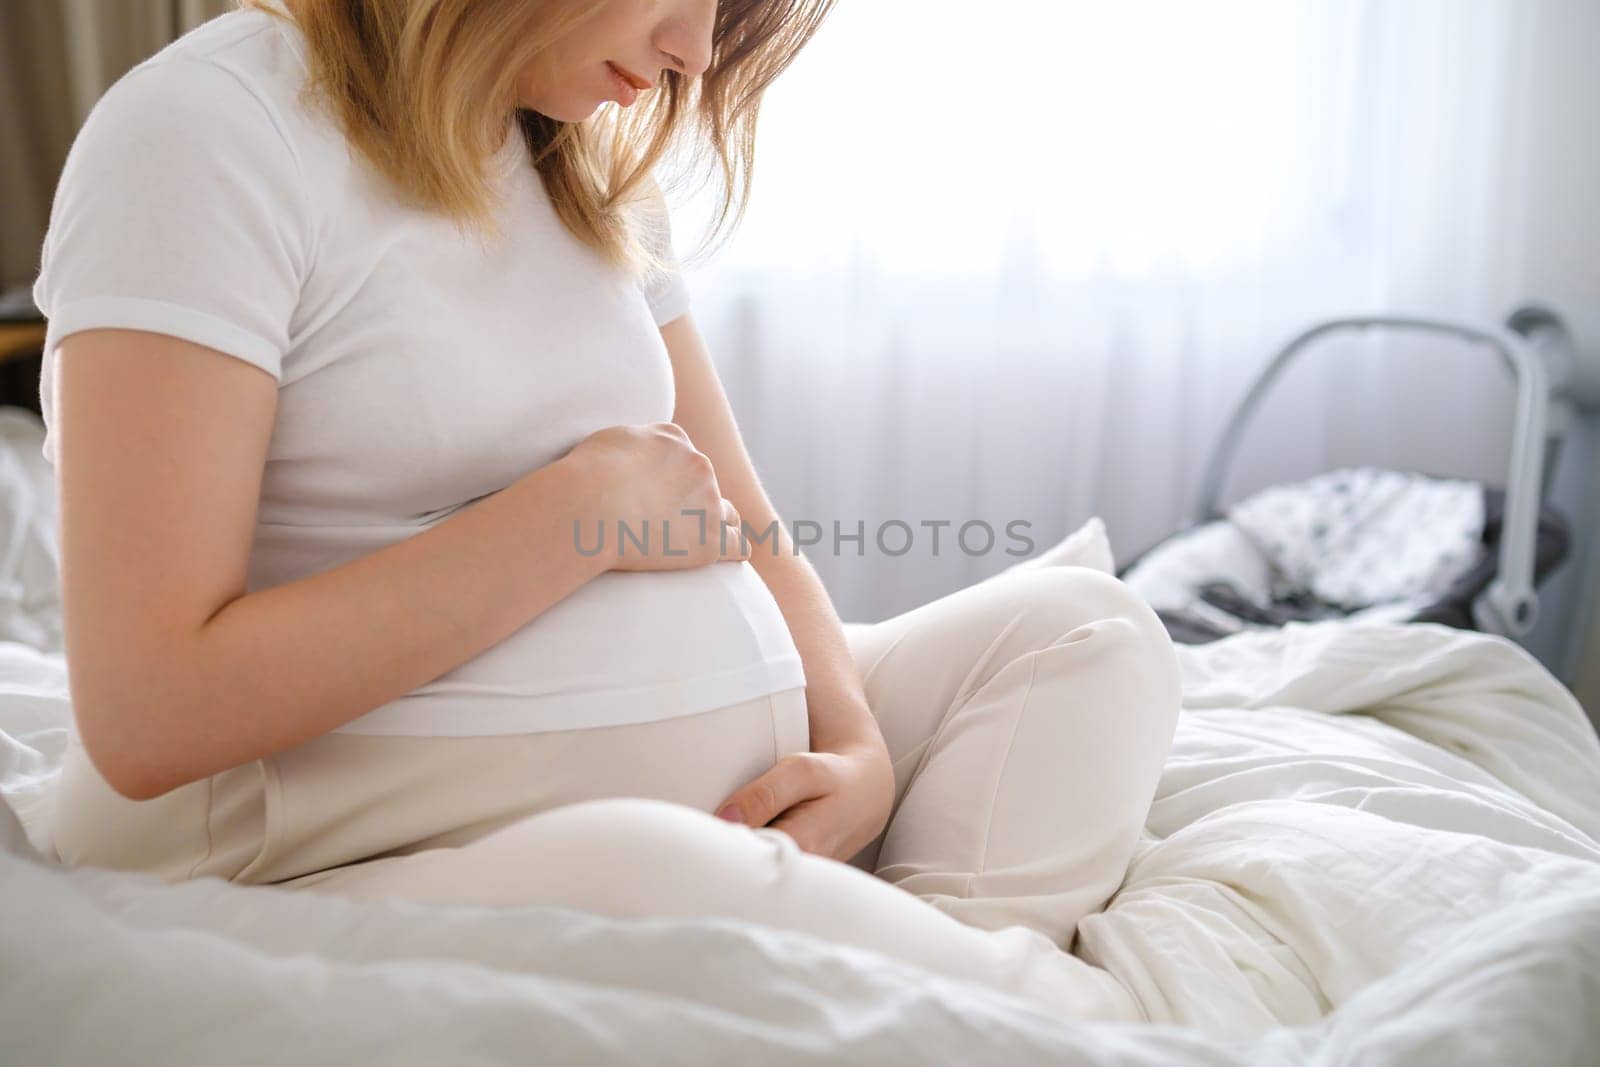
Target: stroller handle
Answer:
pixel 1509 605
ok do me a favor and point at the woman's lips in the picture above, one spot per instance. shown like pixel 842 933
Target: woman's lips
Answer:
pixel 627 85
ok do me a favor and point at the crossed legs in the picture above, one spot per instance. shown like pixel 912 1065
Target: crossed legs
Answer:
pixel 1027 717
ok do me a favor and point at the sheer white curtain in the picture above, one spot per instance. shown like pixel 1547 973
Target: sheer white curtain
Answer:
pixel 1016 260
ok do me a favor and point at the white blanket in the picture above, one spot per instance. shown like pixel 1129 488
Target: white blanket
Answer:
pixel 1376 844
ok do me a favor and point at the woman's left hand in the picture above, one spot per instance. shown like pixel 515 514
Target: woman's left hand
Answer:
pixel 832 800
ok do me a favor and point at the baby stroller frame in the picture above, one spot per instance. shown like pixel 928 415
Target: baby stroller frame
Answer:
pixel 1550 377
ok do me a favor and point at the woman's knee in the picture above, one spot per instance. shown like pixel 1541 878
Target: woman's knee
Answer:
pixel 1059 600
pixel 1116 634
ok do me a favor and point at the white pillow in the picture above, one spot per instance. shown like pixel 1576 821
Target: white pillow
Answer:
pixel 1087 546
pixel 1170 575
pixel 30 554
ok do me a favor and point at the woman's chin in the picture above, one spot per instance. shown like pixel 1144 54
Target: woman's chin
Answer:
pixel 565 110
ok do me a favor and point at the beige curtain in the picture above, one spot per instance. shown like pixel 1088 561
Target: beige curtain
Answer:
pixel 56 58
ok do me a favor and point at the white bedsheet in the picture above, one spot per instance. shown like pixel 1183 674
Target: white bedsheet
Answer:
pixel 1376 844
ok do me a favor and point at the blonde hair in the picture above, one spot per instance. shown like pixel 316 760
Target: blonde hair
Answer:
pixel 425 90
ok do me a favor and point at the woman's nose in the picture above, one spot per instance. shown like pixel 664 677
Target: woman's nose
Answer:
pixel 685 38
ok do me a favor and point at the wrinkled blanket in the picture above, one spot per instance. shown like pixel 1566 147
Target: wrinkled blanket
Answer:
pixel 1373 844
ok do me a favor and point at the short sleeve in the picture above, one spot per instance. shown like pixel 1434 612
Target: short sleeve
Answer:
pixel 181 210
pixel 666 291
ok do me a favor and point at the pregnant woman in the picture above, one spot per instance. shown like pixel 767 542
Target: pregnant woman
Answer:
pixel 365 333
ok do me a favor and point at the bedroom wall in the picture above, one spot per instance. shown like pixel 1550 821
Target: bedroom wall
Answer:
pixel 1561 265
pixel 1070 341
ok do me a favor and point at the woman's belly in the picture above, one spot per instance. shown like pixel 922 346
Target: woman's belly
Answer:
pixel 626 647
pixel 339 799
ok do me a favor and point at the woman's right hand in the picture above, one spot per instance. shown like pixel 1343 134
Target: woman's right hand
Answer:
pixel 651 479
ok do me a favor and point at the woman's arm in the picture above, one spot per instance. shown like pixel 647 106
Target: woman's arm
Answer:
pixel 830 806
pixel 175 672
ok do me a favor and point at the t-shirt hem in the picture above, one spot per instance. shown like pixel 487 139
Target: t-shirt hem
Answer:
pixel 160 316
pixel 447 714
pixel 671 304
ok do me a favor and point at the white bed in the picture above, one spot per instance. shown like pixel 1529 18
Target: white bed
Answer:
pixel 1372 844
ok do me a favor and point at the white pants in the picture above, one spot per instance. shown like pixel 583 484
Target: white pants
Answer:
pixel 1028 718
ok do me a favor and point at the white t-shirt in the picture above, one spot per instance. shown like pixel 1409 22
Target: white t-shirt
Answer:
pixel 418 369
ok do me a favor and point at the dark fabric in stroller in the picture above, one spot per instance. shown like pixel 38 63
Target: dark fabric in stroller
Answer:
pixel 1552 543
